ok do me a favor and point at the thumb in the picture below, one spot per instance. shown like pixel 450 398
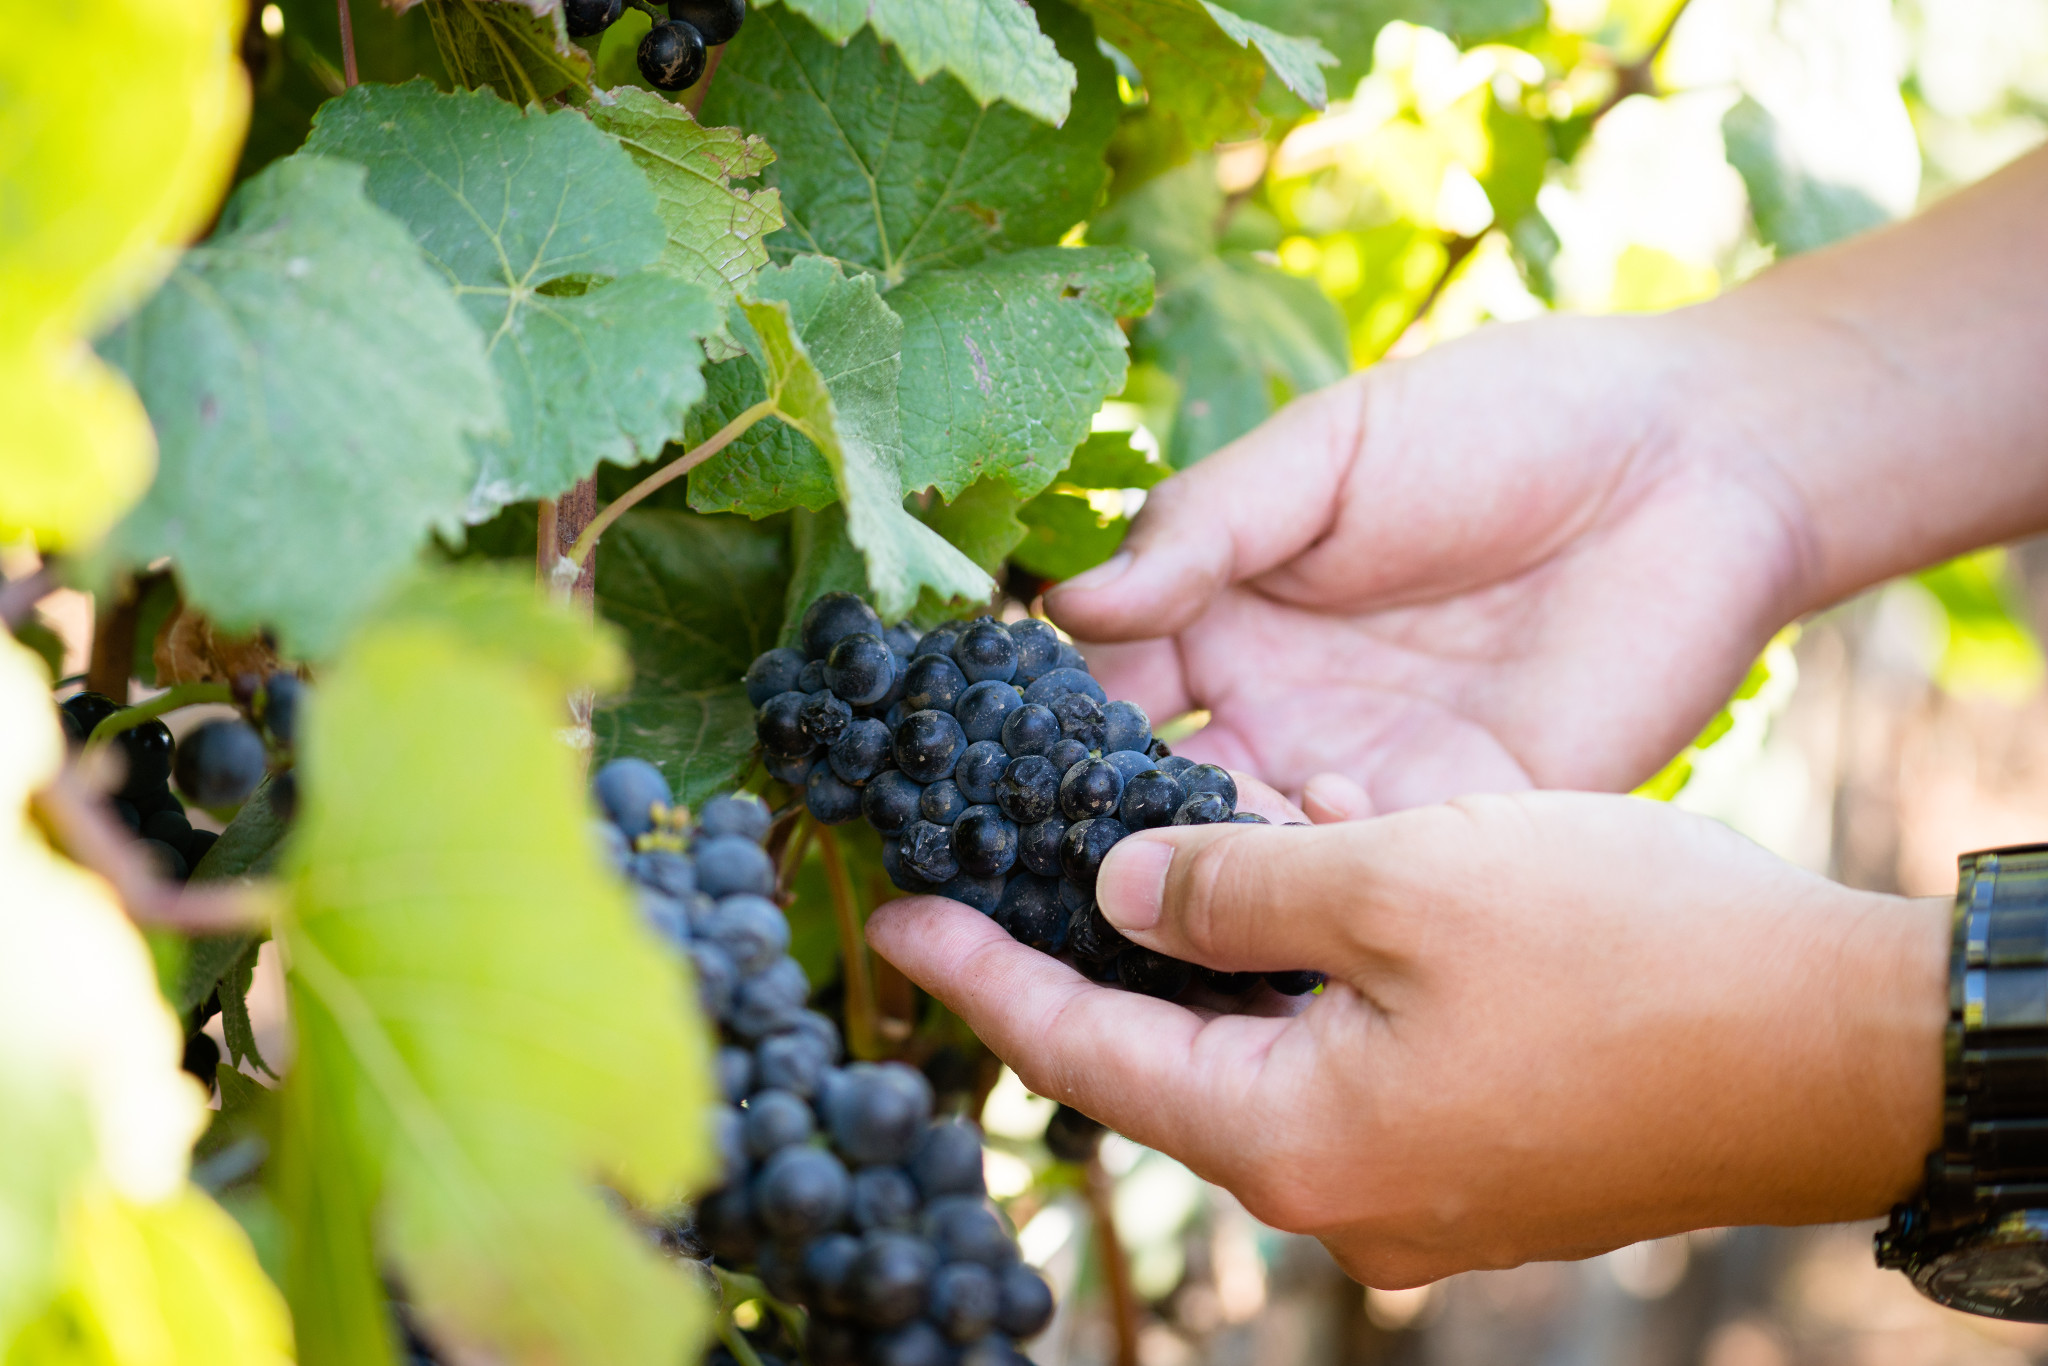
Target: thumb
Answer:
pixel 1238 898
pixel 1252 506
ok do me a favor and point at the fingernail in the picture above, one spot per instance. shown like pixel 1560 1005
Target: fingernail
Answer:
pixel 1131 886
pixel 1102 575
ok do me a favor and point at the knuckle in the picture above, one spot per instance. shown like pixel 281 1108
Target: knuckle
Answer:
pixel 1206 894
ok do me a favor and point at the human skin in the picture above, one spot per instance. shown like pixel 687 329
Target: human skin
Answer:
pixel 1539 557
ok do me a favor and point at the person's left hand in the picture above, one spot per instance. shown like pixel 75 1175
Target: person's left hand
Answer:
pixel 1555 1023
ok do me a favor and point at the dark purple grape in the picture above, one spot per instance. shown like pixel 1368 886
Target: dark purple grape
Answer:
pixel 943 803
pixel 984 708
pixel 730 864
pixel 825 717
pixel 1029 790
pixel 769 1002
pixel 736 813
pixel 1210 778
pixel 932 683
pixel 1125 726
pixel 1150 800
pixel 876 1112
pixel 941 639
pixel 1072 1136
pixel 964 1229
pixel 828 1267
pixel 1065 754
pixel 1143 970
pixel 984 842
pixel 1031 729
pixel 221 762
pixel 982 893
pixel 928 745
pixel 1038 845
pixel 774 672
pixel 979 770
pixel 948 1160
pixel 1081 718
pixel 965 1299
pixel 776 1119
pixel 725 1221
pixel 884 1197
pixel 1085 845
pixel 1038 649
pixel 927 853
pixel 890 802
pixel 800 1193
pixel 1297 982
pixel 1026 1303
pixel 985 652
pixel 716 977
pixel 1203 808
pixel 751 929
pixel 1054 684
pixel 833 617
pixel 891 1278
pixel 1091 937
pixel 664 870
pixel 587 17
pixel 1248 818
pixel 672 56
pixel 780 726
pixel 735 1073
pixel 1031 911
pixel 861 669
pixel 1090 789
pixel 830 799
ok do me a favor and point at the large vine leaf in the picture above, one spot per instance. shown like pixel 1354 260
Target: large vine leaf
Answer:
pixel 523 55
pixel 890 175
pixel 106 1252
pixel 1196 74
pixel 1296 63
pixel 702 739
pixel 521 210
pixel 118 127
pixel 315 389
pixel 1005 362
pixel 993 47
pixel 698 597
pixel 981 522
pixel 716 230
pixel 462 1085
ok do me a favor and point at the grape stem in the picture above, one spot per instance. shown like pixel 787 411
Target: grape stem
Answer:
pixel 696 101
pixel 736 1288
pixel 862 1037
pixel 169 700
pixel 667 474
pixel 736 1342
pixel 348 42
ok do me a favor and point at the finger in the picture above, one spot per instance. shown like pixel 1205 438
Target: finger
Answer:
pixel 1155 1072
pixel 1256 797
pixel 1248 508
pixel 1147 672
pixel 1331 797
pixel 1238 898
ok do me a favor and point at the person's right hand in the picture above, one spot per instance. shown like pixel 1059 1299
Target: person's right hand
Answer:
pixel 1532 557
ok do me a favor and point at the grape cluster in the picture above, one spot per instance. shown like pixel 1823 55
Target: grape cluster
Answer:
pixel 997 770
pixel 840 1191
pixel 674 52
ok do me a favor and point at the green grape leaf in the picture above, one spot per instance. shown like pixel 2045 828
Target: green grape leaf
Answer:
pixel 314 389
pixel 852 421
pixel 993 47
pixel 698 597
pixel 769 467
pixel 1064 535
pixel 1347 28
pixel 1296 63
pixel 523 55
pixel 895 176
pixel 981 522
pixel 823 561
pixel 235 1026
pixel 701 739
pixel 1197 76
pixel 462 1085
pixel 716 230
pixel 1794 209
pixel 1005 362
pixel 510 205
pixel 1108 460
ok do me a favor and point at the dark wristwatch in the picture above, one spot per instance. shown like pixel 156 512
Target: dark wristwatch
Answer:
pixel 1975 1237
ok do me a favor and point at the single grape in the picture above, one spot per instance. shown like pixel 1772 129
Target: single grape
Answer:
pixel 1081 718
pixel 1026 1302
pixel 84 711
pixel 751 929
pixel 890 802
pixel 927 852
pixel 824 716
pixel 891 1278
pixel 876 1112
pixel 769 1001
pixel 986 653
pixel 1038 649
pixel 716 978
pixel 773 672
pixel 1149 800
pixel 1158 749
pixel 790 771
pixel 964 1229
pixel 1210 778
pixel 169 827
pixel 169 863
pixel 933 683
pixel 1065 754
pixel 941 638
pixel 665 914
pixel 725 1221
pixel 821 1028
pixel 1248 818
pixel 730 864
pixel 630 791
pixel 984 842
pixel 780 726
pixel 202 1057
pixel 1084 846
pixel 1294 983
pixel 860 668
pixel 948 1160
pixel 1125 726
pixel 980 769
pixel 928 744
pixel 1031 911
pixel 737 813
pixel 1141 969
pixel 964 1300
pixel 1054 684
pixel 812 678
pixel 776 1119
pixel 1038 845
pixel 828 1269
pixel 718 20
pixel 282 694
pixel 664 870
pixel 943 802
pixel 1029 790
pixel 672 56
pixel 1128 762
pixel 735 1073
pixel 587 17
pixel 884 1197
pixel 982 893
pixel 1031 729
pixel 985 707
pixel 1072 1136
pixel 800 1193
pixel 1226 983
pixel 792 1061
pixel 1202 808
pixel 1092 788
pixel 147 749
pixel 832 618
pixel 195 846
pixel 829 799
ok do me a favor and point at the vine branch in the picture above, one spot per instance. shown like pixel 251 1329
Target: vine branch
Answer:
pixel 1116 1270
pixel 667 474
pixel 348 42
pixel 696 102
pixel 862 1037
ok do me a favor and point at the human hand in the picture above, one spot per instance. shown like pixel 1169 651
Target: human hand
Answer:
pixel 1555 1024
pixel 1520 559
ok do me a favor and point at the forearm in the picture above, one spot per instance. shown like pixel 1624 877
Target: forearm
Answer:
pixel 1895 389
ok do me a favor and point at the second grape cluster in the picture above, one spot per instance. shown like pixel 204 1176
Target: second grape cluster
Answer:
pixel 675 51
pixel 997 770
